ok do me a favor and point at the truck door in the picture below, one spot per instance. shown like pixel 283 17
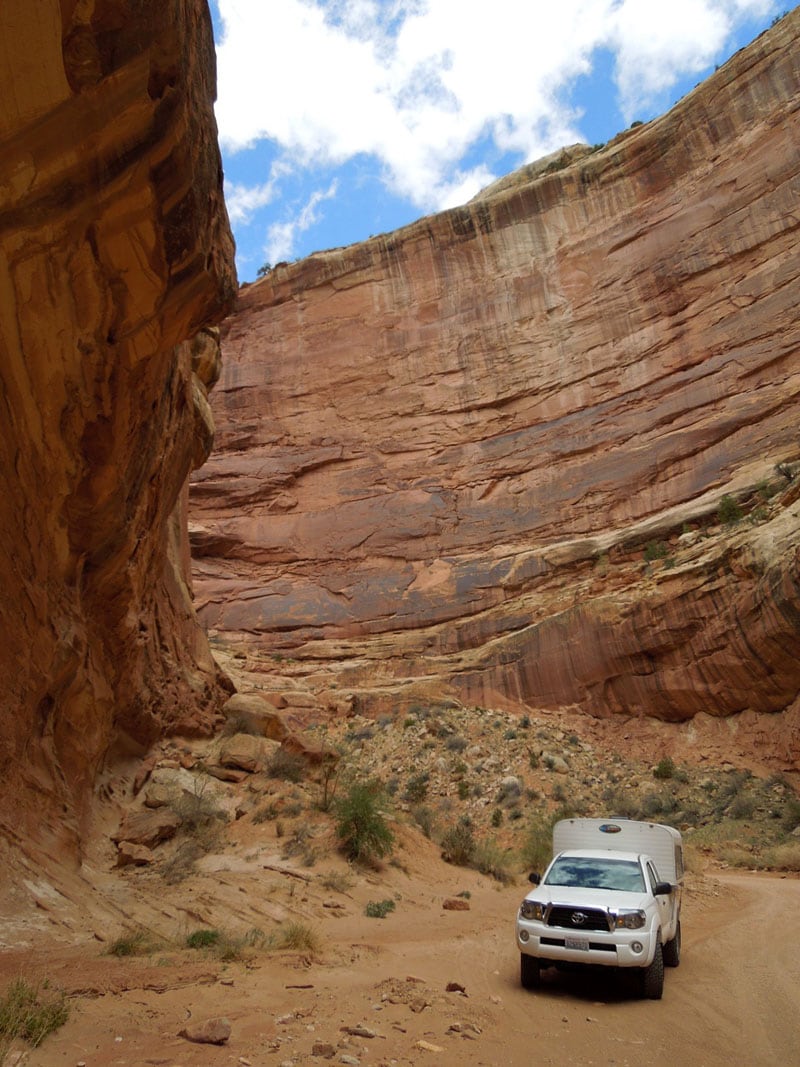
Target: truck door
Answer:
pixel 666 904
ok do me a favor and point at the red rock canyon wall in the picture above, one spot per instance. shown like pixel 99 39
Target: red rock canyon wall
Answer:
pixel 115 253
pixel 442 452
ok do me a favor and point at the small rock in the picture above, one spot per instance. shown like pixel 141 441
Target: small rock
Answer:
pixel 455 987
pixel 352 1061
pixel 455 904
pixel 418 1004
pixel 358 1031
pixel 323 1049
pixel 426 1046
pixel 210 1032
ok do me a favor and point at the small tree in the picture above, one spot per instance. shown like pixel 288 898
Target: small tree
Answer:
pixel 264 269
pixel 361 827
pixel 728 511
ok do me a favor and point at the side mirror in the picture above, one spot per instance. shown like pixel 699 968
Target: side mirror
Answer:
pixel 662 889
pixel 534 878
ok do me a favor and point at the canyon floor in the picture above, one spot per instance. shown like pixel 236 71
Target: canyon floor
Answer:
pixel 435 980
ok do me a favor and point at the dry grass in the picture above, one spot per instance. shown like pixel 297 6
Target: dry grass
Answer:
pixel 298 937
pixel 783 857
pixel 29 1013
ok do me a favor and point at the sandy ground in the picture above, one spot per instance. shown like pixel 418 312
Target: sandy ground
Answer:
pixel 734 999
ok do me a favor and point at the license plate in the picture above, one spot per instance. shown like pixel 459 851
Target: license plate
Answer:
pixel 574 942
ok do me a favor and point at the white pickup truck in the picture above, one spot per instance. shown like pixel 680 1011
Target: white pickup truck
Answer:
pixel 611 897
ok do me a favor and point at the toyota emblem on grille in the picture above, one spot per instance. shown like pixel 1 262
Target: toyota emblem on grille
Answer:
pixel 578 918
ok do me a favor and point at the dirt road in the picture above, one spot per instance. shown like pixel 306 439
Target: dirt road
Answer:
pixel 376 991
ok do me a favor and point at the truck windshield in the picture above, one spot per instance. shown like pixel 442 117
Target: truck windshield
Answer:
pixel 623 875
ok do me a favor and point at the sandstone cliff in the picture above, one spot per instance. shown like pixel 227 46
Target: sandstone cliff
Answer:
pixel 115 255
pixel 442 453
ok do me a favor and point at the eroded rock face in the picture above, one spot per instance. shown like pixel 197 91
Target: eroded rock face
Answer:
pixel 441 453
pixel 115 253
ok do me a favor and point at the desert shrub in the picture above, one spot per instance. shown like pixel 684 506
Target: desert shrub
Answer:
pixel 525 722
pixel 791 814
pixel 203 938
pixel 783 857
pixel 536 850
pixel 424 818
pixel 266 812
pixel 463 789
pixel 30 1012
pixel 198 811
pixel 509 791
pixel 361 827
pixel 183 862
pixel 286 766
pixel 133 943
pixel 378 909
pixel 455 743
pixel 298 937
pixel 490 859
pixel 417 787
pixel 497 817
pixel 665 768
pixel 741 807
pixel 655 550
pixel 728 510
pixel 338 881
pixel 651 805
pixel 458 844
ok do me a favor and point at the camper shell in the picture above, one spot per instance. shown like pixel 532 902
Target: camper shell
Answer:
pixel 663 844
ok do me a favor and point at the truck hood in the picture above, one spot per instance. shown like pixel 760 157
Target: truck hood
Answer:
pixel 606 899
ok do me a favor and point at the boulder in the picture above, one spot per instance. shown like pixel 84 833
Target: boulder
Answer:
pixel 147 827
pixel 243 752
pixel 255 713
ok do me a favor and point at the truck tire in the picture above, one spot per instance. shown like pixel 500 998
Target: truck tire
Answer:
pixel 653 976
pixel 529 971
pixel 672 949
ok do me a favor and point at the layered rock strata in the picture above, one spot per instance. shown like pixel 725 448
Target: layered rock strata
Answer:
pixel 115 257
pixel 442 453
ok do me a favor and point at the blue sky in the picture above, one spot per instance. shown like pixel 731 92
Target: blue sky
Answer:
pixel 339 119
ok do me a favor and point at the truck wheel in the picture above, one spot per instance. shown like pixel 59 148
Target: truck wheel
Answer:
pixel 529 971
pixel 672 949
pixel 653 976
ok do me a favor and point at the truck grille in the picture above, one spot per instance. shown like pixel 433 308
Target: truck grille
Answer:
pixel 577 918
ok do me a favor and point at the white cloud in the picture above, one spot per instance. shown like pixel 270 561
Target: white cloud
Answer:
pixel 281 236
pixel 417 83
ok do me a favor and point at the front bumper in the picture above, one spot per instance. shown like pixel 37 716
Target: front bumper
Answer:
pixel 618 948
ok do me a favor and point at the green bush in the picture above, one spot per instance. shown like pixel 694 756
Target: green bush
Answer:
pixel 30 1012
pixel 458 844
pixel 136 943
pixel 361 827
pixel 728 511
pixel 202 938
pixel 417 788
pixel 378 909
pixel 665 768
pixel 655 550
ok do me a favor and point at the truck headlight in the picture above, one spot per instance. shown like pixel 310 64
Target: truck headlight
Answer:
pixel 630 919
pixel 531 909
